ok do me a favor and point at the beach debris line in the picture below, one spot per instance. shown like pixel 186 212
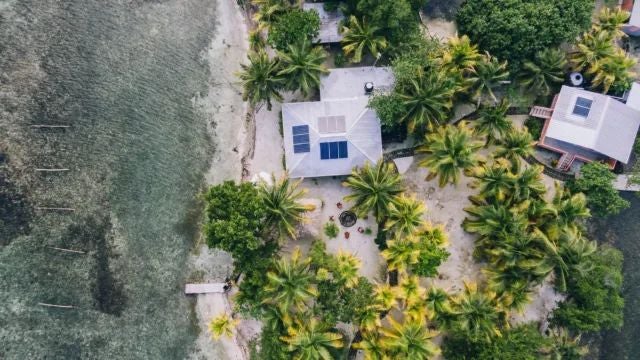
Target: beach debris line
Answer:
pixel 44 126
pixel 50 170
pixel 44 208
pixel 66 250
pixel 57 306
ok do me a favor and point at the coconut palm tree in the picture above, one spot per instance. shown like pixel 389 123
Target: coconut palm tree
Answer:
pixel 569 210
pixel 564 346
pixel 312 340
pixel 372 346
pixel 361 36
pixel 612 70
pixel 222 325
pixel 260 79
pixel 515 146
pixel 528 184
pixel 545 72
pixel 592 48
pixel 427 101
pixel 496 182
pixel 301 67
pixel 516 297
pixel 368 319
pixel 409 340
pixel 401 252
pixel 460 55
pixel 570 255
pixel 437 303
pixel 488 75
pixel 449 151
pixel 268 11
pixel 373 188
pixel 611 20
pixel 290 284
pixel 478 314
pixel 284 209
pixel 346 268
pixel 494 220
pixel 256 41
pixel 492 122
pixel 385 296
pixel 405 215
pixel 410 290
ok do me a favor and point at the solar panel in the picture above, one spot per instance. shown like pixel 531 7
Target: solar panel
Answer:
pixel 582 107
pixel 324 151
pixel 334 150
pixel 342 150
pixel 300 139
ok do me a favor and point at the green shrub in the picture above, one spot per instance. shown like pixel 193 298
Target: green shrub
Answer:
pixel 534 127
pixel 368 231
pixel 596 182
pixel 331 230
pixel 339 59
pixel 292 27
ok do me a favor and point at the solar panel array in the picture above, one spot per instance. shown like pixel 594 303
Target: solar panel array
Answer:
pixel 333 150
pixel 301 139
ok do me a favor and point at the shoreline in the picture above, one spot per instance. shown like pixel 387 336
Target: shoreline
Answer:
pixel 224 109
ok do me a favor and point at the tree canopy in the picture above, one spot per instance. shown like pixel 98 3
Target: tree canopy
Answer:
pixel 596 182
pixel 514 30
pixel 293 27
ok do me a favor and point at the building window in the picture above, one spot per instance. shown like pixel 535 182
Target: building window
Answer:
pixel 301 139
pixel 582 107
pixel 333 150
pixel 331 124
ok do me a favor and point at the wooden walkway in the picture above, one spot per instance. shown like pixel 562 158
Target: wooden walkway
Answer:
pixel 204 288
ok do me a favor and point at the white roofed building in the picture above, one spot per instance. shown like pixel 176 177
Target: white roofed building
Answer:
pixel 590 126
pixel 331 136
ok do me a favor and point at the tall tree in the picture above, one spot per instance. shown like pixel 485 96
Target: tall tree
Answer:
pixel 409 340
pixel 486 77
pixel 302 66
pixel 477 313
pixel 374 188
pixel 449 151
pixel 290 284
pixel 310 339
pixel 492 122
pixel 282 201
pixel 592 48
pixel 260 79
pixel 460 54
pixel 515 146
pixel 611 20
pixel 614 71
pixel 401 252
pixel 360 37
pixel 427 101
pixel 405 215
pixel 545 72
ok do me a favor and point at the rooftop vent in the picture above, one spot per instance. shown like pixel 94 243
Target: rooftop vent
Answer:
pixel 368 88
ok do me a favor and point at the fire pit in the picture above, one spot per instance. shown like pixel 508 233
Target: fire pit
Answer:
pixel 348 218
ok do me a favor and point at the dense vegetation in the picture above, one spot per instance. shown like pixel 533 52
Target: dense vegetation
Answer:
pixel 596 181
pixel 515 30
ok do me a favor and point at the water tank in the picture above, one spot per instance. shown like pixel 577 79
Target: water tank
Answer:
pixel 368 88
pixel 576 79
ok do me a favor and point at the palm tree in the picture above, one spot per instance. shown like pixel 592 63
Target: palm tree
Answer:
pixel 612 70
pixel 282 201
pixel 372 346
pixel 401 252
pixel 528 184
pixel 385 296
pixel 477 313
pixel 409 340
pixel 487 76
pixel 564 346
pixel 405 215
pixel 569 256
pixel 514 146
pixel 410 290
pixel 360 36
pixel 611 21
pixel 260 80
pixel 460 54
pixel 368 319
pixel 268 11
pixel 496 182
pixel 493 122
pixel 346 268
pixel 311 340
pixel 290 284
pixel 592 47
pixel 545 72
pixel 427 101
pixel 374 188
pixel 256 41
pixel 222 325
pixel 569 211
pixel 437 303
pixel 302 66
pixel 449 151
pixel 494 220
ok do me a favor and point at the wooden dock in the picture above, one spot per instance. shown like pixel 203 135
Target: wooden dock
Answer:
pixel 204 288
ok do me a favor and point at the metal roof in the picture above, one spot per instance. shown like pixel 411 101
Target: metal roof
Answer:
pixel 329 23
pixel 610 128
pixel 342 97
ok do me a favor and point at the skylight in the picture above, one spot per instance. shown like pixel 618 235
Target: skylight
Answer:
pixel 300 139
pixel 333 150
pixel 331 124
pixel 582 107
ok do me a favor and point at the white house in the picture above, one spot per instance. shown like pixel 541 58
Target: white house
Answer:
pixel 331 136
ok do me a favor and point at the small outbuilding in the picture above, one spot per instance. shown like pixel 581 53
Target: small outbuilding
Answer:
pixel 590 126
pixel 331 136
pixel 329 23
